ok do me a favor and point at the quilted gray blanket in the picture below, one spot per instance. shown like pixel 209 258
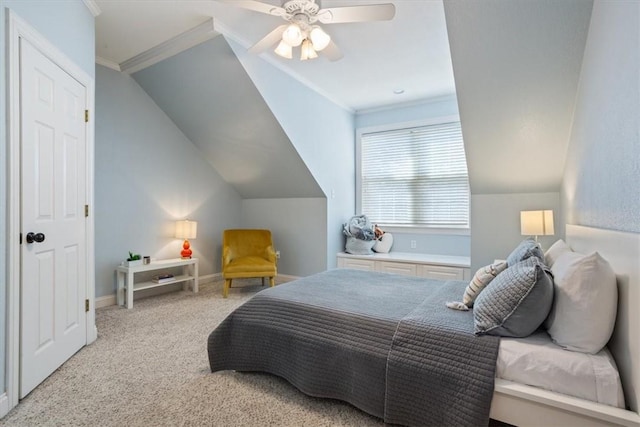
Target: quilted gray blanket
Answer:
pixel 384 343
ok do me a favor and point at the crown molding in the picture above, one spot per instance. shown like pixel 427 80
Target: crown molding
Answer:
pixel 226 32
pixel 93 7
pixel 408 104
pixel 107 63
pixel 171 47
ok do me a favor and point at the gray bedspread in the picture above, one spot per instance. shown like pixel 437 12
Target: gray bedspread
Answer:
pixel 384 343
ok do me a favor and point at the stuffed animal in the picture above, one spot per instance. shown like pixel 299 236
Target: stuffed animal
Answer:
pixel 384 240
pixel 378 232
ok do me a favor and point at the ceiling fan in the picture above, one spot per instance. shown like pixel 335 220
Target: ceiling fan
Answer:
pixel 302 28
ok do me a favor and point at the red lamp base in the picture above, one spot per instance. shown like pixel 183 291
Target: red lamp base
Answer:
pixel 186 251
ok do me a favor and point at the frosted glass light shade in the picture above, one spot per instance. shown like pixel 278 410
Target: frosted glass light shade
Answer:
pixel 307 51
pixel 284 50
pixel 292 35
pixel 536 223
pixel 186 229
pixel 319 38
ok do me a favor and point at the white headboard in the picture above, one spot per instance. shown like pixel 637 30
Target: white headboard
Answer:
pixel 622 250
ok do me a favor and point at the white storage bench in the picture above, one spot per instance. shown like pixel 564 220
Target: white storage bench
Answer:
pixel 440 267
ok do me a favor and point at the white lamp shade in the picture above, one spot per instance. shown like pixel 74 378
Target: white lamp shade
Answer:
pixel 292 35
pixel 536 223
pixel 284 50
pixel 319 38
pixel 307 51
pixel 186 229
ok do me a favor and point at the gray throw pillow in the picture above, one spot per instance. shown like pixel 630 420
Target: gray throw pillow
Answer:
pixel 516 302
pixel 526 249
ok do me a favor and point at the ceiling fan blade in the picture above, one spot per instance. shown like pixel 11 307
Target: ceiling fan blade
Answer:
pixel 269 40
pixel 256 6
pixel 372 12
pixel 332 52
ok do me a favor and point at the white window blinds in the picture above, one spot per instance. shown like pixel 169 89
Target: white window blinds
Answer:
pixel 415 176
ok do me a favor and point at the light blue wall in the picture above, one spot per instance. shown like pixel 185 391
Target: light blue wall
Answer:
pixel 432 243
pixel 148 174
pixel 302 245
pixel 602 172
pixel 495 223
pixel 323 135
pixel 70 27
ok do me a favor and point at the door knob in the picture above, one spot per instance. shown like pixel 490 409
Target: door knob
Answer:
pixel 35 237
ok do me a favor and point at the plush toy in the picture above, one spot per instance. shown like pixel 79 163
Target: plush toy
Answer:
pixel 384 240
pixel 378 232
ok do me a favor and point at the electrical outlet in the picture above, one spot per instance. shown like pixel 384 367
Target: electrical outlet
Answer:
pixel 278 254
pixel 413 244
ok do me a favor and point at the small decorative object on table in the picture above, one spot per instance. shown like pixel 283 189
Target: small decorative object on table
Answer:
pixel 134 259
pixel 163 278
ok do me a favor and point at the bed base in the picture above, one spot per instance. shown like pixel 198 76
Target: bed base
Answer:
pixel 524 406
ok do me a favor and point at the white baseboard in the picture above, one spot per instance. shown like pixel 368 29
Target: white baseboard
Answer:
pixel 108 300
pixel 208 278
pixel 286 278
pixel 4 405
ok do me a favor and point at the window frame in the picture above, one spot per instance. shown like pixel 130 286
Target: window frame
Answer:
pixel 411 228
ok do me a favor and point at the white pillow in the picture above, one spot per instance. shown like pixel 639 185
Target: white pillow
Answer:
pixel 585 302
pixel 557 249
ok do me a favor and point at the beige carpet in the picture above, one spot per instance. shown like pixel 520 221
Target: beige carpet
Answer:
pixel 149 368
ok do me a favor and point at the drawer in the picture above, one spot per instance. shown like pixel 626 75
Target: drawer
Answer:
pixel 357 264
pixel 397 268
pixel 441 272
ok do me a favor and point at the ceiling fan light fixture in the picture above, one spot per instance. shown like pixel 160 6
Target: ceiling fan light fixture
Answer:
pixel 319 38
pixel 284 50
pixel 292 35
pixel 307 51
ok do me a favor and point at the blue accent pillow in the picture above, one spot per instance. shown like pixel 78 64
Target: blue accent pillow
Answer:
pixel 526 249
pixel 516 302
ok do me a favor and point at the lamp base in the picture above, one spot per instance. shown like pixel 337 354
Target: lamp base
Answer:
pixel 186 250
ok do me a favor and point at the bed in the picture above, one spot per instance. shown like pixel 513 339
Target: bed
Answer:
pixel 400 355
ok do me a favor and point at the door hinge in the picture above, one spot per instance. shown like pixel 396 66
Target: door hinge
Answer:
pixel 20 238
pixel 86 305
pixel 86 116
pixel 86 211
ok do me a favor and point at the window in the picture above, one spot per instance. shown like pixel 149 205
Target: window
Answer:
pixel 414 176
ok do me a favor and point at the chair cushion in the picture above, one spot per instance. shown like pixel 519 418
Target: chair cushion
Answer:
pixel 249 264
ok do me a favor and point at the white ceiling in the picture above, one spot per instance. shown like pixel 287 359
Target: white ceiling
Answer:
pixel 411 52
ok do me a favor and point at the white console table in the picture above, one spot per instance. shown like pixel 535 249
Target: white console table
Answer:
pixel 189 273
pixel 440 267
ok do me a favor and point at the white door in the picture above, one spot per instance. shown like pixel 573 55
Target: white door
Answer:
pixel 53 179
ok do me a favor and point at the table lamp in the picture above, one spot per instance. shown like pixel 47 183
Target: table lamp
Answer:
pixel 186 230
pixel 536 223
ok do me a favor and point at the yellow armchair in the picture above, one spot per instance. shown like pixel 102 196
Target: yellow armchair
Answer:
pixel 247 253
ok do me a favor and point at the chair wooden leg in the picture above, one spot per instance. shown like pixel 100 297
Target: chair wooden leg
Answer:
pixel 262 281
pixel 272 281
pixel 225 290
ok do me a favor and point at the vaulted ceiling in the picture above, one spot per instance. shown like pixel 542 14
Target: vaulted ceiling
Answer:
pixel 410 52
pixel 516 65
